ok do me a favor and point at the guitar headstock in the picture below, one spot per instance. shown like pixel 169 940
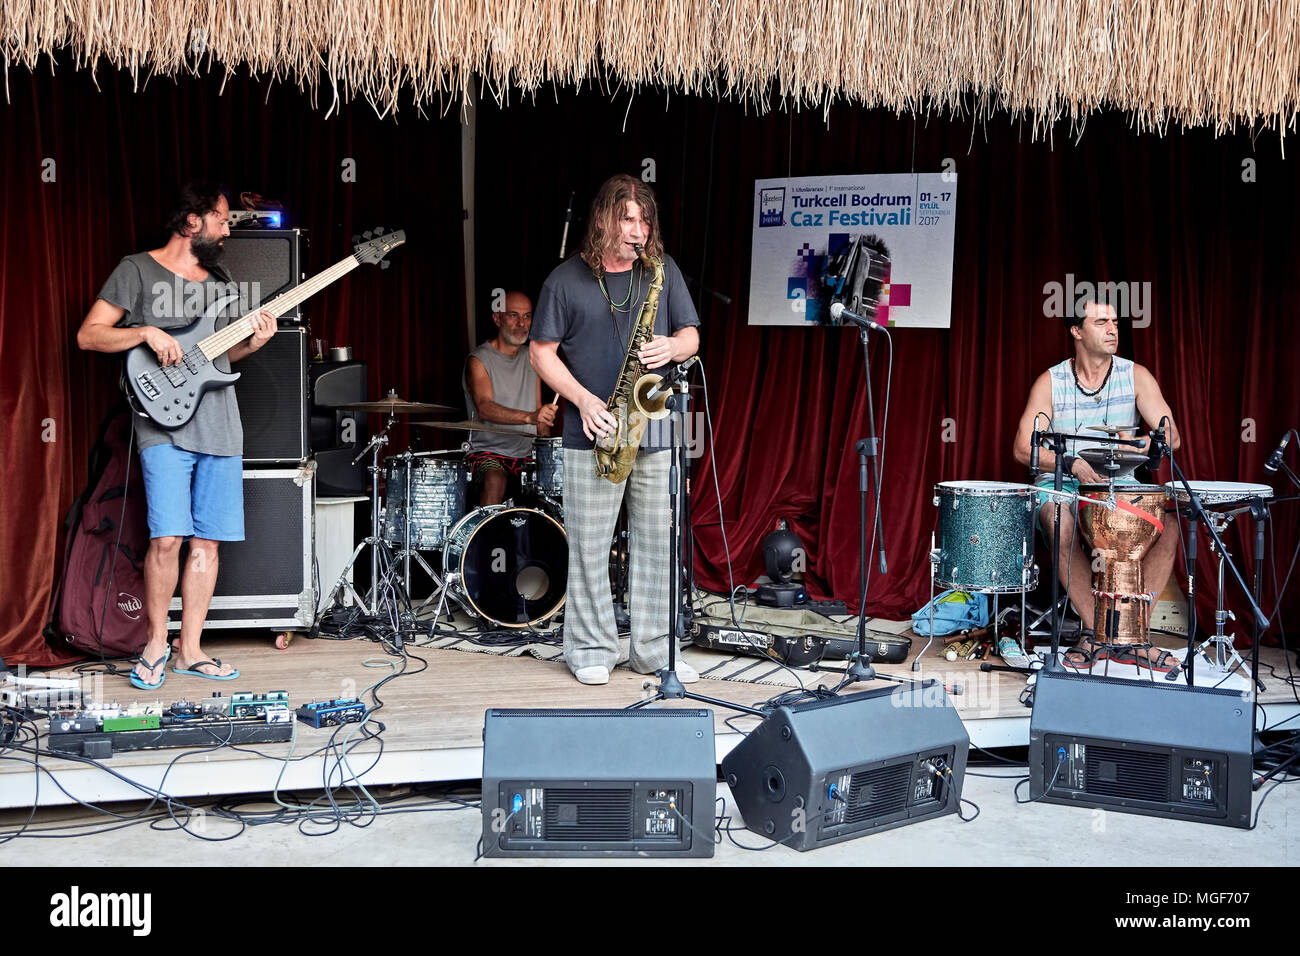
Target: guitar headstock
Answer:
pixel 377 245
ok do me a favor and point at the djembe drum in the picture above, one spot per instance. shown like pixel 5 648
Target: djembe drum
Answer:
pixel 1121 538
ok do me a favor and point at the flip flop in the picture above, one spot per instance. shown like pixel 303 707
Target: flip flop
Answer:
pixel 138 683
pixel 1163 663
pixel 215 662
pixel 1098 654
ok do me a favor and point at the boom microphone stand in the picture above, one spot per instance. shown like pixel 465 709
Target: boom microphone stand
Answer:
pixel 670 687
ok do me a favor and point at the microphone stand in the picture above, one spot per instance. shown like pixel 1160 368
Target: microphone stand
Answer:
pixel 670 686
pixel 859 669
pixel 1199 513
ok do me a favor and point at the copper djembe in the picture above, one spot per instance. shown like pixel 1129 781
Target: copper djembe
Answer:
pixel 1121 602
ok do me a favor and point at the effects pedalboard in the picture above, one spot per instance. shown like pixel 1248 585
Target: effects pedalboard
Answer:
pixel 98 733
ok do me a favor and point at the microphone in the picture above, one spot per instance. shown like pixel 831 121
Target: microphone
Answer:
pixel 1157 449
pixel 673 378
pixel 1275 460
pixel 1035 440
pixel 839 312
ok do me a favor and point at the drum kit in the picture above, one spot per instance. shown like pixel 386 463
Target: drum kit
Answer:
pixel 506 564
pixel 986 541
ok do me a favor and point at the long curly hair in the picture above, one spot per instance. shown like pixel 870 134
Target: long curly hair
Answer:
pixel 607 209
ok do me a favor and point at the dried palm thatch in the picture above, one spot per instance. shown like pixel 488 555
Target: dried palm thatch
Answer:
pixel 1187 62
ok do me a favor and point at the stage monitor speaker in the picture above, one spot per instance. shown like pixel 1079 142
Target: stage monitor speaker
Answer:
pixel 1159 749
pixel 272 395
pixel 266 580
pixel 598 783
pixel 337 436
pixel 831 770
pixel 265 263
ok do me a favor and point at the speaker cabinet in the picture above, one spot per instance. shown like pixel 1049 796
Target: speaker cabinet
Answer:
pixel 1159 749
pixel 272 396
pixel 337 435
pixel 266 580
pixel 266 263
pixel 598 783
pixel 832 770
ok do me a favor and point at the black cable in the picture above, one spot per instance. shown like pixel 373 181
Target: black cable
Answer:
pixel 1015 791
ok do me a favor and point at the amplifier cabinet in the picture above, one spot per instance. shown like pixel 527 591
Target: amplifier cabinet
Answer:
pixel 267 579
pixel 598 783
pixel 266 263
pixel 1159 749
pixel 272 396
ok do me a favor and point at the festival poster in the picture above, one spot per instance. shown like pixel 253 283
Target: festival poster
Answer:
pixel 881 244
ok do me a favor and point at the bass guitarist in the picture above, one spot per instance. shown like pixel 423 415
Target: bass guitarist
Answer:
pixel 193 475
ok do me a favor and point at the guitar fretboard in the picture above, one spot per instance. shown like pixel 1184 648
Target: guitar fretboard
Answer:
pixel 221 342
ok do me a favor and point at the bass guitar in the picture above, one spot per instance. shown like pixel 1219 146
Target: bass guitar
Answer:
pixel 169 395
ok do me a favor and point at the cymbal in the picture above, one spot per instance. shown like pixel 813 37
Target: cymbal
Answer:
pixel 472 426
pixel 1112 461
pixel 392 405
pixel 1112 429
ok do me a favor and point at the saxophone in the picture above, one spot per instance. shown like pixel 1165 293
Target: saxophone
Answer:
pixel 616 452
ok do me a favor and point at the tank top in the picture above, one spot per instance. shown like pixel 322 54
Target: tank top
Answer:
pixel 514 385
pixel 1074 412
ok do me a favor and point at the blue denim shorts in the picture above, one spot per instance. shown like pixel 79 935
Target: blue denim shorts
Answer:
pixel 192 495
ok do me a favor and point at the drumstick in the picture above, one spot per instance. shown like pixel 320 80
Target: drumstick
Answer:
pixel 556 399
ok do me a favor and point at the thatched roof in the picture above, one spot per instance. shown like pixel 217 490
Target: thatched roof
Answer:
pixel 1191 62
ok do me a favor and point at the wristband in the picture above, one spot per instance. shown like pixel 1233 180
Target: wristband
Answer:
pixel 1067 462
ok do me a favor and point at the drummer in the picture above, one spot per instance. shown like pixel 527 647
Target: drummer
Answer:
pixel 1095 388
pixel 501 387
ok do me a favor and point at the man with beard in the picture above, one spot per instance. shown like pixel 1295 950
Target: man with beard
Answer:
pixel 193 475
pixel 501 387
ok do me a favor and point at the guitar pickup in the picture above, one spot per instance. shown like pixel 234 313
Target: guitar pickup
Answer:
pixel 173 375
pixel 193 360
pixel 147 386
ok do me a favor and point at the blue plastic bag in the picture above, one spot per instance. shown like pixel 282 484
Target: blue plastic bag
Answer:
pixel 953 611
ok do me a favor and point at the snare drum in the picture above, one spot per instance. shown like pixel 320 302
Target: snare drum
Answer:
pixel 1218 494
pixel 510 565
pixel 986 535
pixel 437 500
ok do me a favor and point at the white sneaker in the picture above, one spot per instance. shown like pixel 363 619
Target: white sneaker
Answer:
pixel 594 674
pixel 686 673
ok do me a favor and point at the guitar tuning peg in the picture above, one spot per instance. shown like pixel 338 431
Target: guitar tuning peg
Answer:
pixel 385 264
pixel 356 240
pixel 367 234
pixel 379 230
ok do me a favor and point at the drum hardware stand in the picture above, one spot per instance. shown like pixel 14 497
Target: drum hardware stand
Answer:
pixel 670 687
pixel 373 541
pixel 1257 507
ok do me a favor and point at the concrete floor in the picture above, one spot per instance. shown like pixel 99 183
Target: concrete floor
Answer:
pixel 1004 835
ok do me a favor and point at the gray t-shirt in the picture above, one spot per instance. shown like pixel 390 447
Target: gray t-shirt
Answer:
pixel 573 311
pixel 514 385
pixel 152 295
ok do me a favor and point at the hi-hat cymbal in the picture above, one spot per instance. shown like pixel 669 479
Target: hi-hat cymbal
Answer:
pixel 472 426
pixel 1112 461
pixel 392 405
pixel 1112 429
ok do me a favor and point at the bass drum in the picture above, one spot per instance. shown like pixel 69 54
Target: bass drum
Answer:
pixel 509 565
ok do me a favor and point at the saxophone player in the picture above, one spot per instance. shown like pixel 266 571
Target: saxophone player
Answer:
pixel 586 316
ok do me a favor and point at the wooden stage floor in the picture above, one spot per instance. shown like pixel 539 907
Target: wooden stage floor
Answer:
pixel 433 720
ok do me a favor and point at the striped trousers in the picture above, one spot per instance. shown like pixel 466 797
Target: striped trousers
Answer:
pixel 591 507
